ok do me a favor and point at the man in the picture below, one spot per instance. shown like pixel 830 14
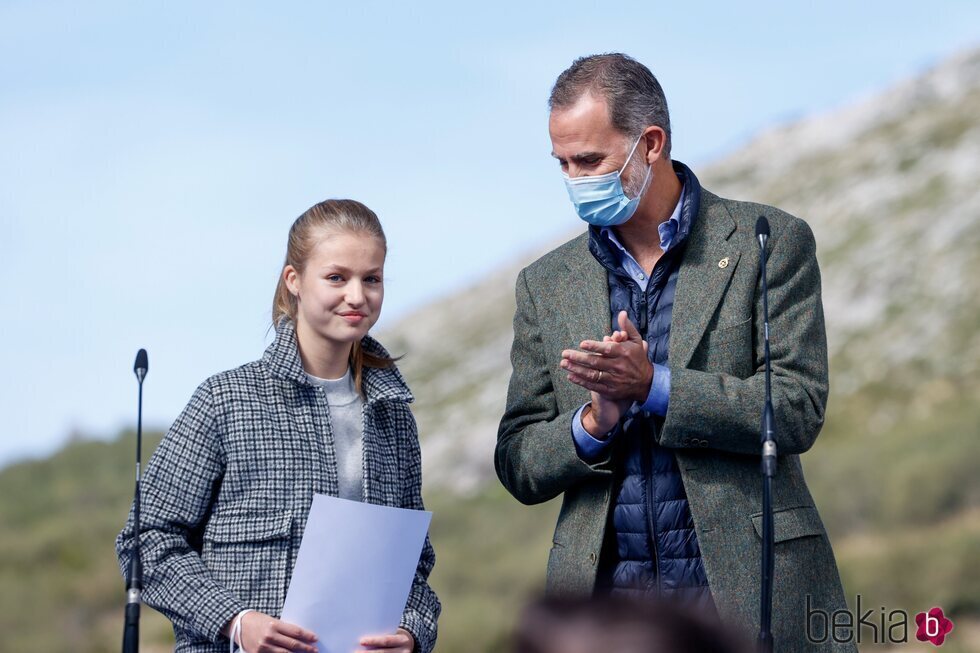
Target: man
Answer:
pixel 638 377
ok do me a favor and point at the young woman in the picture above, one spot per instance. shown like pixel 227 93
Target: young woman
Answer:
pixel 226 496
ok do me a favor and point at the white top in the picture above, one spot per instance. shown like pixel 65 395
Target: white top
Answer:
pixel 347 428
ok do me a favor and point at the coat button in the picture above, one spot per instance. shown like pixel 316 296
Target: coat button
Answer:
pixel 704 443
pixel 592 558
pixel 685 441
pixel 723 263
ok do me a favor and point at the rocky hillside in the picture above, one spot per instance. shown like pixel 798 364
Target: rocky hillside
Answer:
pixel 891 187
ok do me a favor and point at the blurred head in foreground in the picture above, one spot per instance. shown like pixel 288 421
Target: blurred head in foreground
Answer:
pixel 620 625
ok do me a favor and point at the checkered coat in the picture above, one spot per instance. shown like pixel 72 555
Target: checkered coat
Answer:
pixel 226 495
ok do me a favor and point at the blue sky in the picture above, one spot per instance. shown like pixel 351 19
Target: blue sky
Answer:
pixel 153 156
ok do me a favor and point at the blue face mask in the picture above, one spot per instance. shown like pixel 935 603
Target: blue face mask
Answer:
pixel 600 200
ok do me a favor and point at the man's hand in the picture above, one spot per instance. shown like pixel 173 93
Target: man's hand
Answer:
pixel 616 368
pixel 261 633
pixel 602 415
pixel 401 642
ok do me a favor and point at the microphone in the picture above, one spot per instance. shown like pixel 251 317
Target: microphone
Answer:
pixel 762 235
pixel 134 579
pixel 762 231
pixel 768 466
pixel 141 365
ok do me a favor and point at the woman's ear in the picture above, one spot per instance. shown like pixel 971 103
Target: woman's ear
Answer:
pixel 291 278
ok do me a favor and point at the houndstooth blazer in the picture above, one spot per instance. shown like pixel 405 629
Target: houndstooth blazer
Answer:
pixel 226 495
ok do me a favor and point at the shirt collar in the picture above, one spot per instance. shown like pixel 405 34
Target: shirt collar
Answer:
pixel 667 230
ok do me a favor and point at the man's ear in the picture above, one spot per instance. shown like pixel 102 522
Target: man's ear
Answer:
pixel 656 139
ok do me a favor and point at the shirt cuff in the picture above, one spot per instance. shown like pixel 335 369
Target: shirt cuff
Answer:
pixel 589 447
pixel 659 396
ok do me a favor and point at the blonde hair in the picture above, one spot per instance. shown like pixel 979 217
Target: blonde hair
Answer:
pixel 306 232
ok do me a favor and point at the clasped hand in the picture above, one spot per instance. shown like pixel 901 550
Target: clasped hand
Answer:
pixel 615 371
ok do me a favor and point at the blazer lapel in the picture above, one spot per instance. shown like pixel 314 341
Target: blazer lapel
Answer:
pixel 582 298
pixel 708 263
pixel 586 294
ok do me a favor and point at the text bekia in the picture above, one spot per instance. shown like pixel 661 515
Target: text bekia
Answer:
pixel 880 625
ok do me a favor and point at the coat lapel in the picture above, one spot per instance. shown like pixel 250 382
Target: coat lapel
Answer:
pixel 586 294
pixel 379 458
pixel 701 284
pixel 384 389
pixel 582 298
pixel 708 263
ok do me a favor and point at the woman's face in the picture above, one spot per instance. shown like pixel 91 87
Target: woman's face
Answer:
pixel 340 291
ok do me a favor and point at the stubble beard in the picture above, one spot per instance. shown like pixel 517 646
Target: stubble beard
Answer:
pixel 633 177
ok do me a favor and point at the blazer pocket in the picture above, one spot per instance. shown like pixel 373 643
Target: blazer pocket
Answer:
pixel 727 350
pixel 728 333
pixel 231 528
pixel 248 553
pixel 791 523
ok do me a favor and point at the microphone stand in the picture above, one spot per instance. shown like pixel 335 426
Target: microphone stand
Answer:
pixel 768 466
pixel 134 580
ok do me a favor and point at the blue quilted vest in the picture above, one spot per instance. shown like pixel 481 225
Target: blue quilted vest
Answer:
pixel 651 547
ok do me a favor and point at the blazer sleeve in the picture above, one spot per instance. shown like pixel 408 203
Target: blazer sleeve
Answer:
pixel 177 491
pixel 423 607
pixel 726 411
pixel 536 459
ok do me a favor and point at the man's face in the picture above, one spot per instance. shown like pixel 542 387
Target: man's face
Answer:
pixel 585 142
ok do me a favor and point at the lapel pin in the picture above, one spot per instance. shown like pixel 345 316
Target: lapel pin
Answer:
pixel 723 263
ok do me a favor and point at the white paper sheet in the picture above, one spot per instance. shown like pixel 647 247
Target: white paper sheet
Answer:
pixel 354 570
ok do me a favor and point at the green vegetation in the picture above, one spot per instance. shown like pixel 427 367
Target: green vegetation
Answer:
pixel 893 473
pixel 491 554
pixel 903 510
pixel 63 589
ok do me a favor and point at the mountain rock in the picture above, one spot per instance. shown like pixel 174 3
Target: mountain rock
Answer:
pixel 889 186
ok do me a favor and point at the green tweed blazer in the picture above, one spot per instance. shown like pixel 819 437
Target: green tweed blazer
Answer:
pixel 712 425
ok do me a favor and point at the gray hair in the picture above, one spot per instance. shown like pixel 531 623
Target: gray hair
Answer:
pixel 633 95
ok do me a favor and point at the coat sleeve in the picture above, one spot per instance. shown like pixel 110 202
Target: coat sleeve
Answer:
pixel 177 492
pixel 726 411
pixel 423 608
pixel 536 459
